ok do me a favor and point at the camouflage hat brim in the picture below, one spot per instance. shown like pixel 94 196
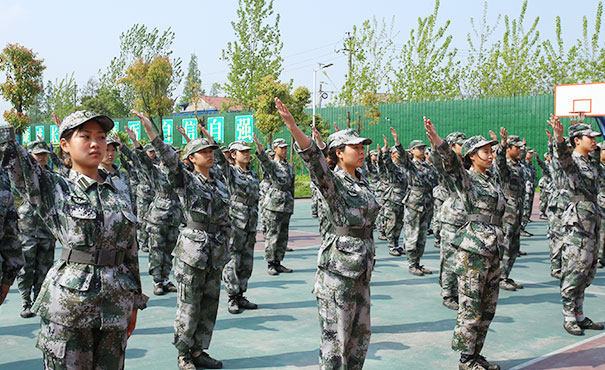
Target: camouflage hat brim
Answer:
pixel 358 140
pixel 239 146
pixel 40 151
pixel 79 118
pixel 480 144
pixel 196 147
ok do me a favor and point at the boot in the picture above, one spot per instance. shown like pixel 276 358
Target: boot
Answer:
pixel 185 362
pixel 158 289
pixel 26 312
pixel 394 252
pixel 281 268
pixel 204 361
pixel 589 324
pixel 486 364
pixel 246 304
pixel 416 270
pixel 425 270
pixel 573 328
pixel 272 270
pixel 450 303
pixel 517 285
pixel 471 364
pixel 506 285
pixel 169 287
pixel 526 233
pixel 233 305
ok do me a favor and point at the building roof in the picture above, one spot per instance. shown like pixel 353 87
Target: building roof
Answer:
pixel 210 103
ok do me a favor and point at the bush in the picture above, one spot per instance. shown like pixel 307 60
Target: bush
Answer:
pixel 302 186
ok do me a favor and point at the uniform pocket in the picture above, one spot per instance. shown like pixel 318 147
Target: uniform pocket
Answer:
pixel 75 279
pixel 53 347
pixel 127 282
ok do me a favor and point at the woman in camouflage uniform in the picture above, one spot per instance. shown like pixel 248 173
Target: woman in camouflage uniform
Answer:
pixel 477 242
pixel 346 257
pixel 89 299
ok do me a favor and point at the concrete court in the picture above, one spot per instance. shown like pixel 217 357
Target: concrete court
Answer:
pixel 411 329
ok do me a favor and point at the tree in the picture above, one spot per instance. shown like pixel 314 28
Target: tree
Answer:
pixel 299 101
pixel 61 97
pixel 267 119
pixel 193 82
pixel 427 69
pixel 23 82
pixel 256 53
pixel 592 54
pixel 215 89
pixel 152 86
pixel 557 65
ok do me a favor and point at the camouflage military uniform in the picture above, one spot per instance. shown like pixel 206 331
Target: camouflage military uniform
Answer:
pixel 37 243
pixel 440 194
pixel 418 203
pixel 345 261
pixel 84 309
pixel 162 221
pixel 601 201
pixel 278 206
pixel 244 188
pixel 546 186
pixel 512 180
pixel 201 251
pixel 530 191
pixel 393 197
pixel 581 221
pixel 262 191
pixel 11 257
pixel 477 259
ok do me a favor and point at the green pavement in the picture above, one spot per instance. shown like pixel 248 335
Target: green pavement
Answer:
pixel 411 329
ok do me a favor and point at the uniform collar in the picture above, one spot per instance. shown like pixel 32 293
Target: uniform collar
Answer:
pixel 85 182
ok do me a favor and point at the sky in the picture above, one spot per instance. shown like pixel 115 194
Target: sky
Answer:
pixel 81 37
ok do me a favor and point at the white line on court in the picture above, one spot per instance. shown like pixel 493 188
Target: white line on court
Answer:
pixel 548 355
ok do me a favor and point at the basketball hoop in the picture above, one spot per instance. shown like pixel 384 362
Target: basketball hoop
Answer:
pixel 577 117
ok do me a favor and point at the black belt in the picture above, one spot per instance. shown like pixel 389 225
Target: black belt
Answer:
pixel 419 188
pixel 492 220
pixel 209 228
pixel 99 257
pixel 247 201
pixel 356 232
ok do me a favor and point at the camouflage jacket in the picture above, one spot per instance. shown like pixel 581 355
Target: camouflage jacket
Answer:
pixel 120 172
pixel 11 257
pixel 85 216
pixel 480 194
pixel 560 195
pixel 452 209
pixel 373 173
pixel 244 192
pixel 582 180
pixel 205 203
pixel 165 208
pixel 280 176
pixel 144 190
pixel 422 179
pixel 30 222
pixel 530 172
pixel 511 175
pixel 601 197
pixel 396 177
pixel 58 164
pixel 348 203
pixel 545 182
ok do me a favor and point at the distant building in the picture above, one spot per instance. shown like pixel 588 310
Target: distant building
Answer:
pixel 205 105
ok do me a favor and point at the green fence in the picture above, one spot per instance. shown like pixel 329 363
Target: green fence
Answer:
pixel 524 116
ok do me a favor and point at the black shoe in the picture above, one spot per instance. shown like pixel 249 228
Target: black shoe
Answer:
pixel 26 312
pixel 506 285
pixel 246 304
pixel 600 263
pixel 314 215
pixel 158 289
pixel 401 251
pixel 233 305
pixel 169 287
pixel 450 303
pixel 526 234
pixel 429 232
pixel 589 324
pixel 272 270
pixel 486 364
pixel 543 217
pixel 416 270
pixel 145 249
pixel 206 362
pixel 573 328
pixel 394 252
pixel 288 249
pixel 425 270
pixel 382 237
pixel 516 285
pixel 281 268
pixel 556 274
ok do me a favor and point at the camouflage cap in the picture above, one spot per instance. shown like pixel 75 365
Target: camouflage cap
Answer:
pixel 279 143
pixel 393 149
pixel 270 152
pixel 582 129
pixel 38 147
pixel 374 152
pixel 475 143
pixel 239 145
pixel 514 140
pixel 346 137
pixel 80 117
pixel 416 144
pixel 530 150
pixel 456 138
pixel 198 144
pixel 149 148
pixel 224 149
pixel 112 141
pixel 566 139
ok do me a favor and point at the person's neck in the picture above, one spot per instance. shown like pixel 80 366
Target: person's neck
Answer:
pixel 419 159
pixel 108 167
pixel 480 169
pixel 510 157
pixel 243 166
pixel 349 169
pixel 582 151
pixel 204 171
pixel 92 172
pixel 280 158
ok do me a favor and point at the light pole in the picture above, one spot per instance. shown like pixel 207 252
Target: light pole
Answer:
pixel 321 66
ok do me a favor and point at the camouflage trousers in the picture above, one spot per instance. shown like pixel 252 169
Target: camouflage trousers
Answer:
pixel 602 240
pixel 39 256
pixel 543 201
pixel 162 240
pixel 314 200
pixel 276 238
pixel 142 212
pixel 556 234
pixel 448 280
pixel 343 305
pixel 478 288
pixel 393 222
pixel 66 348
pixel 198 293
pixel 239 269
pixel 579 266
pixel 416 227
pixel 509 250
pixel 380 221
pixel 528 203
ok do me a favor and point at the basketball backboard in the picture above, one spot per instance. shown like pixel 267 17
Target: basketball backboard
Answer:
pixel 586 98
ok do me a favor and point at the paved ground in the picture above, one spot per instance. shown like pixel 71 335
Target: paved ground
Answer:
pixel 411 329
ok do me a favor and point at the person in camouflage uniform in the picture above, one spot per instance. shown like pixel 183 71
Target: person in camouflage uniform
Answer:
pixel 89 299
pixel 162 220
pixel 11 256
pixel 346 256
pixel 37 241
pixel 477 242
pixel 243 186
pixel 123 171
pixel 601 201
pixel 452 217
pixel 418 202
pixel 581 220
pixel 263 188
pixel 201 251
pixel 545 184
pixel 145 196
pixel 278 205
pixel 512 180
pixel 530 189
pixel 393 197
